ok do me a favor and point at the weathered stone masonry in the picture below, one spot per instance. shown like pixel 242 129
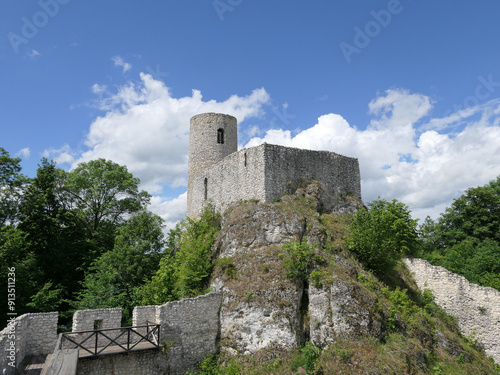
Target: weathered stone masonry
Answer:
pixel 34 334
pixel 190 327
pixel 476 308
pixel 220 174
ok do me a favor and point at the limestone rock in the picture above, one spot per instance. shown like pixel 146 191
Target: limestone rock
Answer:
pixel 342 309
pixel 261 307
pixel 251 226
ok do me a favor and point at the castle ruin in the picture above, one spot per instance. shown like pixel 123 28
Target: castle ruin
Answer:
pixel 220 174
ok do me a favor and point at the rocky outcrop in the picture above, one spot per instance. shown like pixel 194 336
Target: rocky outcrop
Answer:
pixel 250 226
pixel 261 307
pixel 342 309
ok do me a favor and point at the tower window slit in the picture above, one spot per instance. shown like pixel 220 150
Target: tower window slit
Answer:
pixel 205 183
pixel 220 136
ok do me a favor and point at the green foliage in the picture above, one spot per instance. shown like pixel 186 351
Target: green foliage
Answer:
pixel 316 277
pixel 52 236
pixel 300 256
pixel 14 253
pixel 184 271
pixel 55 226
pixel 306 358
pixel 11 182
pixel 401 307
pixel 466 238
pixel 476 214
pixel 47 299
pixel 226 265
pixel 427 296
pixel 194 260
pixel 210 366
pixel 101 193
pixel 116 275
pixel 382 235
pixel 166 346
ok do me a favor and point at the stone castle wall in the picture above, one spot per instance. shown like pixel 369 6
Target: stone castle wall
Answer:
pixel 267 172
pixel 286 168
pixel 476 308
pixel 84 320
pixel 239 176
pixel 33 334
pixel 207 148
pixel 136 363
pixel 190 327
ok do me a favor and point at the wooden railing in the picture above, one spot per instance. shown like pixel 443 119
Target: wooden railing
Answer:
pixel 112 340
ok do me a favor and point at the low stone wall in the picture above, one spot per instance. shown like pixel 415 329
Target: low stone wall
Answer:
pixel 136 363
pixel 191 329
pixel 476 308
pixel 31 334
pixel 84 320
pixel 144 314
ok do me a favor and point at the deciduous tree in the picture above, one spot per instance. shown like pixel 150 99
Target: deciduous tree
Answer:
pixel 383 234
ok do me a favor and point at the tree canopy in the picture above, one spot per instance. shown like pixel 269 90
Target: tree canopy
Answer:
pixel 59 229
pixel 11 181
pixel 466 237
pixel 383 234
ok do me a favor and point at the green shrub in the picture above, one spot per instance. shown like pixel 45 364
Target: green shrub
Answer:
pixel 185 272
pixel 226 265
pixel 316 277
pixel 306 358
pixel 382 235
pixel 300 256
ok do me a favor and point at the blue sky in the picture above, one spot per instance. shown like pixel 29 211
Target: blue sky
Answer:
pixel 410 88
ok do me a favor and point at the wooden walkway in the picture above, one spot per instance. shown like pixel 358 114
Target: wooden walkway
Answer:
pixel 72 346
pixel 116 349
pixel 111 340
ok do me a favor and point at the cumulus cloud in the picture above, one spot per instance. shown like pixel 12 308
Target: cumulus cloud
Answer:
pixel 118 61
pixel 401 156
pixel 61 155
pixel 171 210
pixel 24 153
pixel 403 153
pixel 147 129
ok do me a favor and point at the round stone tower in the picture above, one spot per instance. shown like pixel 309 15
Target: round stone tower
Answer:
pixel 212 137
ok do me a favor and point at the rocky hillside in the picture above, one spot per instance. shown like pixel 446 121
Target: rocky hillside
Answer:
pixel 296 301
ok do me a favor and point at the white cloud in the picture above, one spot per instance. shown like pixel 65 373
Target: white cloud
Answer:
pixel 61 155
pixel 24 153
pixel 403 154
pixel 99 89
pixel 34 53
pixel 147 129
pixel 171 210
pixel 425 170
pixel 118 60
